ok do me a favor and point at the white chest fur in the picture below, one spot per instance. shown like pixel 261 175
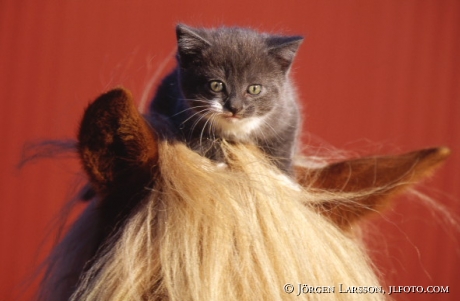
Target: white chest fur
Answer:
pixel 237 129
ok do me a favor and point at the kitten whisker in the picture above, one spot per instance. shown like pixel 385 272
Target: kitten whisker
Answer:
pixel 196 100
pixel 195 123
pixel 212 127
pixel 269 126
pixel 188 109
pixel 214 117
pixel 193 115
pixel 204 127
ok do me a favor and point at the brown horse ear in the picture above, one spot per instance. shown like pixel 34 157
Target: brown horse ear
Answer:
pixel 372 181
pixel 116 145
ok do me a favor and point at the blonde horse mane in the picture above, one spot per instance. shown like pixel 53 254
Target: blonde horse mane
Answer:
pixel 195 230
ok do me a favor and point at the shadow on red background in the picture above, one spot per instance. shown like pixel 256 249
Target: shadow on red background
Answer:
pixel 374 76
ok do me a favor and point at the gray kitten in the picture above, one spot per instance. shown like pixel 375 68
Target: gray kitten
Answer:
pixel 232 84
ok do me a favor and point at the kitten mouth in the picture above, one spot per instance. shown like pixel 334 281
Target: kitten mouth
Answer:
pixel 232 117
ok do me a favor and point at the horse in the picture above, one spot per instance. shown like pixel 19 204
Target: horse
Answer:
pixel 164 223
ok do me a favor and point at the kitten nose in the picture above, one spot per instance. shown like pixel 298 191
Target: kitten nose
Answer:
pixel 234 106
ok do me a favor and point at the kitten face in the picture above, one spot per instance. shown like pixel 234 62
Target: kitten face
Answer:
pixel 234 78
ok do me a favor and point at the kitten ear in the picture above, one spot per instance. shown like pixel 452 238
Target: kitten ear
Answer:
pixel 371 181
pixel 190 42
pixel 116 145
pixel 284 49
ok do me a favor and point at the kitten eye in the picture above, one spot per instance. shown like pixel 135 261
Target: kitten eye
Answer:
pixel 216 85
pixel 254 89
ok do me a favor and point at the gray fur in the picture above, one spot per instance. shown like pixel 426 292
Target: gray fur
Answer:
pixel 238 58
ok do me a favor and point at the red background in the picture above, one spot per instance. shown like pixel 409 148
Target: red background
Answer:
pixel 374 76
